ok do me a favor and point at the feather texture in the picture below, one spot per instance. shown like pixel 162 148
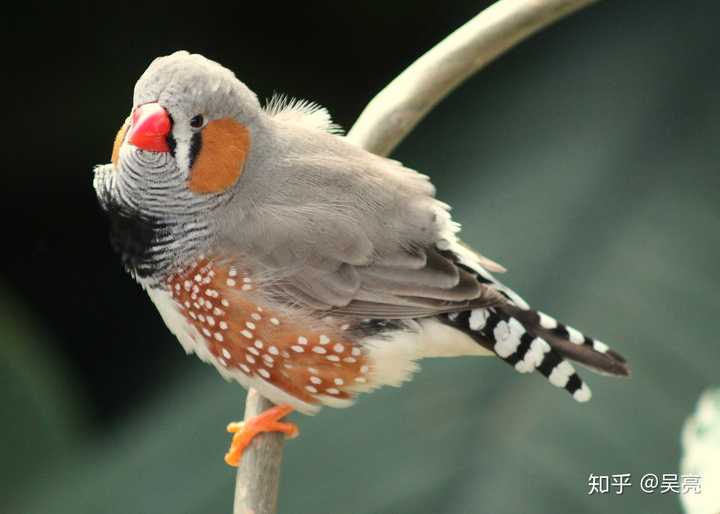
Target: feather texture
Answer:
pixel 303 112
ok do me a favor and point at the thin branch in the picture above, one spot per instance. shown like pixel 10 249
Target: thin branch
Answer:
pixel 398 108
pixel 387 119
pixel 258 476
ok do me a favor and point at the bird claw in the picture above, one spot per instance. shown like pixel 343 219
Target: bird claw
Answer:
pixel 244 431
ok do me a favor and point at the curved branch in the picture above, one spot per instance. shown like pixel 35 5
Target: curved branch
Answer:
pixel 387 119
pixel 398 108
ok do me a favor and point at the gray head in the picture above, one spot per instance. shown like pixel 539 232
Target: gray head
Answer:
pixel 194 91
pixel 178 154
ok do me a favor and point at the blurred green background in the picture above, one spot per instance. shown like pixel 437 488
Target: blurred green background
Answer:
pixel 585 160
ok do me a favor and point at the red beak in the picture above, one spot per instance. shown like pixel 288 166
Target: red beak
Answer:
pixel 149 127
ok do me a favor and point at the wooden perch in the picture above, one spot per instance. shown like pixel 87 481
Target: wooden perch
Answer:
pixel 398 108
pixel 387 119
pixel 258 476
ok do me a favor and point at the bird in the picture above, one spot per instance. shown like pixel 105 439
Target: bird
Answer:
pixel 296 262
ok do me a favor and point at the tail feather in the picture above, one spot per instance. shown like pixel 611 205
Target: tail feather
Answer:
pixel 531 340
pixel 571 343
pixel 509 339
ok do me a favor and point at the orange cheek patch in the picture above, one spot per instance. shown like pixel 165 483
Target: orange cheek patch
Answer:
pixel 220 162
pixel 119 138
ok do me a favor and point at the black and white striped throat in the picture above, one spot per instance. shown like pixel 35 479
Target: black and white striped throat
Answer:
pixel 156 222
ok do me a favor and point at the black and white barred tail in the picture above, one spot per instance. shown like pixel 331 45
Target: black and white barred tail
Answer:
pixel 571 343
pixel 530 341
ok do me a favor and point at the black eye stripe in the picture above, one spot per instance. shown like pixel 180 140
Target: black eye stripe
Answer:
pixel 195 147
pixel 172 144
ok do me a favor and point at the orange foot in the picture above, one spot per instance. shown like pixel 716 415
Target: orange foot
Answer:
pixel 244 431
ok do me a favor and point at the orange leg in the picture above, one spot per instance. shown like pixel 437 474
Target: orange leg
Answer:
pixel 244 431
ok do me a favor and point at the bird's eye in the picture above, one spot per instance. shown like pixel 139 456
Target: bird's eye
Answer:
pixel 197 121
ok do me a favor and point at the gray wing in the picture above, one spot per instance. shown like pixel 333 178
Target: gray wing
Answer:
pixel 342 230
pixel 380 291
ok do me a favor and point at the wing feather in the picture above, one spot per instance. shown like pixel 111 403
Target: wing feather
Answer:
pixel 344 231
